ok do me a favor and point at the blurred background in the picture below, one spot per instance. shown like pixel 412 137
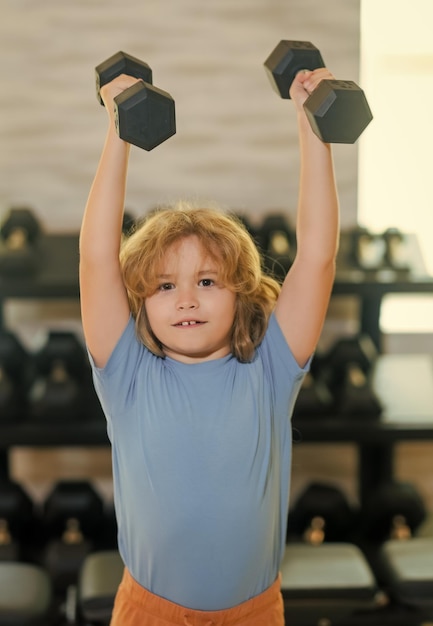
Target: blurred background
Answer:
pixel 236 144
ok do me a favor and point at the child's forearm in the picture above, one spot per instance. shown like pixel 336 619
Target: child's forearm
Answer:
pixel 101 228
pixel 318 207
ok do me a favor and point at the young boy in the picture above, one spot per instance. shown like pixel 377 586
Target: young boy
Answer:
pixel 197 359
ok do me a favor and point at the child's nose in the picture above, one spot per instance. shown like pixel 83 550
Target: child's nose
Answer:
pixel 186 300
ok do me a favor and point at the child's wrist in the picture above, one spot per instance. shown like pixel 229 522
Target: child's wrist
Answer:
pixel 113 135
pixel 303 122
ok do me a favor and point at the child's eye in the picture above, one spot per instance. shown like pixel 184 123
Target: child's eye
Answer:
pixel 166 286
pixel 206 282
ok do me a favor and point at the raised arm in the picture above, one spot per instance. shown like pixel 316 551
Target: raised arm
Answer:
pixel 304 298
pixel 104 303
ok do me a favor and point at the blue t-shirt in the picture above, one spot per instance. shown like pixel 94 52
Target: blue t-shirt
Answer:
pixel 201 467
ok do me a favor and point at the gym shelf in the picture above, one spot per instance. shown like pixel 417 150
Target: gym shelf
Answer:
pixel 407 414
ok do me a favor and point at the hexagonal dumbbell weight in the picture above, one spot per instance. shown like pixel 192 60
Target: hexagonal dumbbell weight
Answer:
pixel 145 115
pixel 347 369
pixel 19 233
pixel 15 374
pixel 337 110
pixel 16 520
pixel 73 517
pixel 321 513
pixel 278 242
pixel 60 389
pixel 394 510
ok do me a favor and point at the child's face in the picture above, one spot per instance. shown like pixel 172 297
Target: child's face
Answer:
pixel 191 313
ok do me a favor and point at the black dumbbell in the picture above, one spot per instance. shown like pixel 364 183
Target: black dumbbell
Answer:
pixel 314 397
pixel 15 375
pixel 61 389
pixel 347 369
pixel 73 518
pixel 278 243
pixel 253 231
pixel 16 519
pixel 145 115
pixel 397 251
pixel 368 249
pixel 393 510
pixel 19 233
pixel 337 110
pixel 129 224
pixel 321 513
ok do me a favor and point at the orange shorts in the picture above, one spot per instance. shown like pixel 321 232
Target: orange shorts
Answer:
pixel 135 606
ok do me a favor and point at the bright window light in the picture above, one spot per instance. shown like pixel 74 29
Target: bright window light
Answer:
pixel 395 184
pixel 407 313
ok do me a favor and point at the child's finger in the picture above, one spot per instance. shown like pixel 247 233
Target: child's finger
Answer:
pixel 310 79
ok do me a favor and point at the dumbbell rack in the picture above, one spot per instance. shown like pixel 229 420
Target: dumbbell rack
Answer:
pixel 407 414
pixel 371 286
pixel 56 277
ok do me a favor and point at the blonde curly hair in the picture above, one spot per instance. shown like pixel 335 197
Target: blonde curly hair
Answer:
pixel 227 242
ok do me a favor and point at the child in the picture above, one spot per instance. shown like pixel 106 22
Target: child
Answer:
pixel 197 360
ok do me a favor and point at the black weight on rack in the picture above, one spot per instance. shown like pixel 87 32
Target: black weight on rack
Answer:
pixel 14 377
pixel 62 385
pixel 19 234
pixel 321 513
pixel 16 520
pixel 73 519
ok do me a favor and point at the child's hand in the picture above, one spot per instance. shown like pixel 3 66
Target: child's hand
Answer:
pixel 115 87
pixel 305 83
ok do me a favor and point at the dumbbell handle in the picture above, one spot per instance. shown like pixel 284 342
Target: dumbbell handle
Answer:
pixel 144 114
pixel 336 109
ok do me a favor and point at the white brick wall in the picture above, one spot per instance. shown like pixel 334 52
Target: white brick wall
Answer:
pixel 236 140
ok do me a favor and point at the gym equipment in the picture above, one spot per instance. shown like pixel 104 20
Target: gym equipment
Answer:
pixel 26 595
pixel 73 516
pixel 16 518
pixel 374 252
pixel 314 398
pixel 426 528
pixel 99 579
pixel 145 115
pixel 337 110
pixel 320 584
pixel 278 243
pixel 326 584
pixel 346 368
pixel 19 233
pixel 405 571
pixel 396 253
pixel 14 377
pixel 252 230
pixel 320 513
pixel 368 249
pixel 128 223
pixel 62 383
pixel 393 511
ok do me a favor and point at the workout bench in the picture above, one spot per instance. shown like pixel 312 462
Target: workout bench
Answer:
pixel 99 579
pixel 330 584
pixel 405 571
pixel 326 584
pixel 26 597
pixel 328 581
